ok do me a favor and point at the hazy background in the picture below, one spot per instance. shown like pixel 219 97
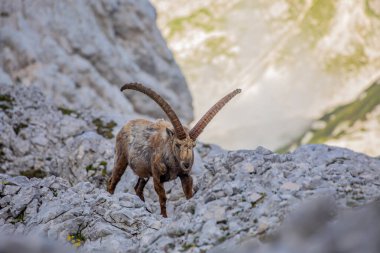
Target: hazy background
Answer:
pixel 304 67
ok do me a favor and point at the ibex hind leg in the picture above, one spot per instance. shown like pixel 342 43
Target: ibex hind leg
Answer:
pixel 121 163
pixel 139 187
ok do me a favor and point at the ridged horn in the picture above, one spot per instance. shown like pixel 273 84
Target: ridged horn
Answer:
pixel 178 128
pixel 210 114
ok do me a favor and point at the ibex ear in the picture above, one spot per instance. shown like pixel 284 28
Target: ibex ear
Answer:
pixel 169 132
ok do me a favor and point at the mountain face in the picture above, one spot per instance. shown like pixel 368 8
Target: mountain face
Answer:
pixel 79 53
pixel 294 61
pixel 356 125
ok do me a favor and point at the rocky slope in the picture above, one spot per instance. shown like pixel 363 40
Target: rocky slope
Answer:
pixel 38 139
pixel 79 53
pixel 241 197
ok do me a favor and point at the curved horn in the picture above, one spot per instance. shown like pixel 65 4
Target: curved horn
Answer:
pixel 178 128
pixel 203 122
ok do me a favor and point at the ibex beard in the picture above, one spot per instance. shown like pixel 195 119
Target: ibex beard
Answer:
pixel 162 150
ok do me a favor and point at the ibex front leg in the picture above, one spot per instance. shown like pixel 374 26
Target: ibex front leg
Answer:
pixel 187 185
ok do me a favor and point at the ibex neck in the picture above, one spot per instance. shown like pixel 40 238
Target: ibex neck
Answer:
pixel 169 158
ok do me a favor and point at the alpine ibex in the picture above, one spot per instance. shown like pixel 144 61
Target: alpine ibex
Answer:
pixel 159 149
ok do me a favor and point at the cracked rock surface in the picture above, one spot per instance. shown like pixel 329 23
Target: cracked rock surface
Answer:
pixel 88 214
pixel 245 194
pixel 80 52
pixel 38 139
pixel 240 196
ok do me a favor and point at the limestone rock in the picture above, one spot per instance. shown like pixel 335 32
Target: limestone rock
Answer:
pixel 38 139
pixel 114 42
pixel 230 209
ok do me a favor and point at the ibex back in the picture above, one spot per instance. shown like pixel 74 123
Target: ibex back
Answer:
pixel 160 149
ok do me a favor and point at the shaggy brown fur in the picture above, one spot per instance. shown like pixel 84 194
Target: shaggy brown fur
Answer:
pixel 160 149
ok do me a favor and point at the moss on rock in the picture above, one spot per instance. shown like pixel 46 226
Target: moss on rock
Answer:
pixel 94 168
pixel 77 239
pixel 38 173
pixel 6 102
pixel 67 111
pixel 103 128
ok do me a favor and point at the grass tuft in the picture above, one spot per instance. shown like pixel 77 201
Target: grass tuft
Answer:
pixel 103 128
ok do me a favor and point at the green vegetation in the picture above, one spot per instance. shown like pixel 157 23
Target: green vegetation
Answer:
pixel 6 102
pixel 38 173
pixel 19 218
pixel 224 228
pixel 77 239
pixel 6 183
pixel 91 168
pixel 317 20
pixel 6 98
pixel 349 113
pixel 199 19
pixel 67 111
pixel 348 63
pixel 187 246
pixel 102 167
pixel 103 163
pixel 309 22
pixel 218 46
pixel 369 11
pixel 104 129
pixel 222 239
pixel 295 8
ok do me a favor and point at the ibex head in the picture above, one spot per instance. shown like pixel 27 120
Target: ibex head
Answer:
pixel 182 140
pixel 182 149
